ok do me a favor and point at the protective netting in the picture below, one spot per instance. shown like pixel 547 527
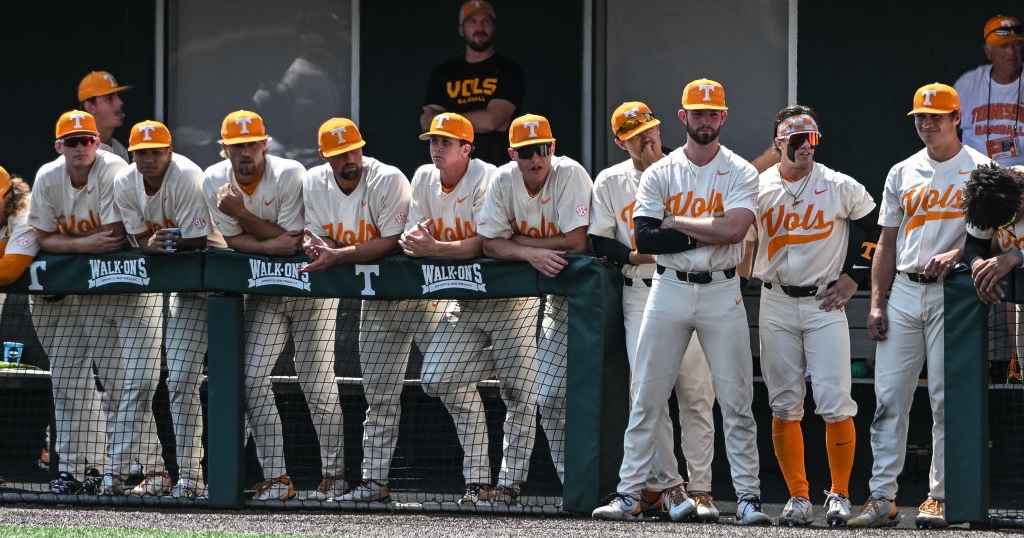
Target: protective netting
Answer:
pixel 422 403
pixel 1006 406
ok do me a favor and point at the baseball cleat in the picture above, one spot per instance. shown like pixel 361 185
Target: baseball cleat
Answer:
pixel 330 486
pixel 931 514
pixel 679 505
pixel 748 512
pixel 154 484
pixel 274 489
pixel 186 490
pixel 707 512
pixel 620 507
pixel 112 485
pixel 876 513
pixel 65 484
pixel 798 512
pixel 367 491
pixel 837 509
pixel 500 495
pixel 471 495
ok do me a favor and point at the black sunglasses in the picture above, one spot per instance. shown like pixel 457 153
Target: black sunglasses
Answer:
pixel 75 141
pixel 526 152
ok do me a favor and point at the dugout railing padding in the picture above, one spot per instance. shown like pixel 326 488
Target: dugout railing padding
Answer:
pixel 597 374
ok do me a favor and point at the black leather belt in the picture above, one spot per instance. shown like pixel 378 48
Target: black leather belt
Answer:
pixel 921 279
pixel 629 281
pixel 797 291
pixel 697 278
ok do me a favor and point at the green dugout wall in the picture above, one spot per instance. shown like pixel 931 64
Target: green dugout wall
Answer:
pixel 598 374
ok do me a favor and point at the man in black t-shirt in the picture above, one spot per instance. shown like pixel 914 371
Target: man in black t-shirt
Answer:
pixel 482 85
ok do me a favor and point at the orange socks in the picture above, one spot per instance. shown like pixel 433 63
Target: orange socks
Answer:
pixel 788 438
pixel 840 442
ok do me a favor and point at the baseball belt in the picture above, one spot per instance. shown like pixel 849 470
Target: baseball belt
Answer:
pixel 697 278
pixel 921 279
pixel 798 291
pixel 629 281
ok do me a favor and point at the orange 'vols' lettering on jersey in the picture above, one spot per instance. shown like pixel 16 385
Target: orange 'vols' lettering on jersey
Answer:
pixel 462 230
pixel 470 87
pixel 168 223
pixel 1008 241
pixel 777 220
pixel 693 206
pixel 918 204
pixel 341 236
pixel 547 229
pixel 74 226
pixel 627 216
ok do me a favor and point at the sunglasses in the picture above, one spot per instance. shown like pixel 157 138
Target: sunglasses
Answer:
pixel 798 139
pixel 527 152
pixel 634 122
pixel 1004 31
pixel 75 141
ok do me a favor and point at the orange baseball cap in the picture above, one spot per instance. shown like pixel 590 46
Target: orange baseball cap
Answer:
pixel 529 129
pixel 475 6
pixel 339 135
pixel 451 125
pixel 96 84
pixel 1003 29
pixel 631 119
pixel 76 122
pixel 704 94
pixel 149 134
pixel 5 181
pixel 242 126
pixel 935 98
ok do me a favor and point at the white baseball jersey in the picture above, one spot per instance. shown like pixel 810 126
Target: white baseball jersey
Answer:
pixel 561 206
pixel 378 207
pixel 922 198
pixel 59 207
pixel 1007 239
pixel 179 203
pixel 675 186
pixel 803 242
pixel 277 198
pixel 455 213
pixel 613 203
pixel 17 237
pixel 991 119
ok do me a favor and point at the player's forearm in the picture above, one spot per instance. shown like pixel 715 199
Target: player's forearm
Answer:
pixel 496 117
pixel 505 249
pixel 251 244
pixel 728 229
pixel 573 242
pixel 261 229
pixel 883 268
pixel 371 250
pixel 610 249
pixel 459 250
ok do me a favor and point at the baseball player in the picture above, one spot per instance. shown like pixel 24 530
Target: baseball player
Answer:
pixel 17 255
pixel 447 197
pixel 701 192
pixel 922 237
pixel 804 211
pixel 161 201
pixel 256 201
pixel 537 209
pixel 637 132
pixel 992 201
pixel 73 211
pixel 100 95
pixel 360 205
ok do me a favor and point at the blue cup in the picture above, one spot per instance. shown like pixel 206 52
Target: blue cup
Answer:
pixel 12 352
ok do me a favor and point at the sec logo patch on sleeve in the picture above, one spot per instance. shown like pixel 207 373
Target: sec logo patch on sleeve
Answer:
pixel 581 210
pixel 401 217
pixel 22 240
pixel 199 223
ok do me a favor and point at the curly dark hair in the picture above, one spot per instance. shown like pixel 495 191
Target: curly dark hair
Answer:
pixel 992 197
pixel 789 112
pixel 19 197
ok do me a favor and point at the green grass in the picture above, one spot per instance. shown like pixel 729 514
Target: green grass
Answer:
pixel 99 532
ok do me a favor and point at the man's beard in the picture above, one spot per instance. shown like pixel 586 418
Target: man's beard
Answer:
pixel 702 138
pixel 481 46
pixel 350 173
